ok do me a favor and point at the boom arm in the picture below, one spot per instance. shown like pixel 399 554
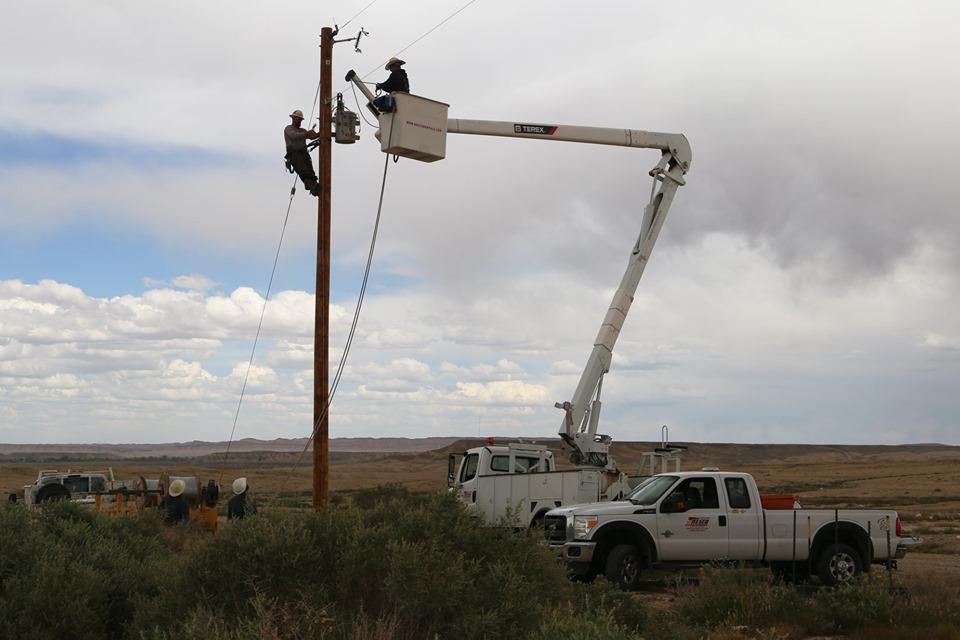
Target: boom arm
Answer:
pixel 582 412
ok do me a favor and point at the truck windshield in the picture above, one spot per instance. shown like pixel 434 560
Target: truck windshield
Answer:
pixel 651 490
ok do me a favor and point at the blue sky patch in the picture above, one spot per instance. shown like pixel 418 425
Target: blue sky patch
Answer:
pixel 18 148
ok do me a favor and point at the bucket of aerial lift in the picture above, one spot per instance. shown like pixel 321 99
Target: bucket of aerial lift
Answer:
pixel 415 129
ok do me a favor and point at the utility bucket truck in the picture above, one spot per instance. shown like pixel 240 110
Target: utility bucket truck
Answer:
pixel 517 484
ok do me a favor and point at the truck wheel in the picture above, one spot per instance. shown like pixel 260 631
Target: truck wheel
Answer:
pixel 838 564
pixel 623 566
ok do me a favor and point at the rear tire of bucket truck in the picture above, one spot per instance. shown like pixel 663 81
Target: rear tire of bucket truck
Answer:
pixel 838 564
pixel 623 566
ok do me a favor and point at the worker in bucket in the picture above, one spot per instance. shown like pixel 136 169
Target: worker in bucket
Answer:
pixel 240 506
pixel 298 158
pixel 174 506
pixel 397 81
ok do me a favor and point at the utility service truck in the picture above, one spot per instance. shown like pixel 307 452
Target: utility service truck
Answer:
pixel 515 485
pixel 704 516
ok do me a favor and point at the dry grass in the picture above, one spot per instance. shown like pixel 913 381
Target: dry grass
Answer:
pixel 921 482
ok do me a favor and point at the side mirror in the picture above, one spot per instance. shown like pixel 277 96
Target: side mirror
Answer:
pixel 674 503
pixel 451 469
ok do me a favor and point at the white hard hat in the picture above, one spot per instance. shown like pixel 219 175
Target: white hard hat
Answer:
pixel 177 488
pixel 239 486
pixel 393 61
pixel 297 114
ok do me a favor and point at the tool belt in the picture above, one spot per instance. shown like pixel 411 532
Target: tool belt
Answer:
pixel 286 158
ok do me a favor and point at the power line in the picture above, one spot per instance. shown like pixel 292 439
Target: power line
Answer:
pixel 357 14
pixel 256 339
pixel 424 35
pixel 431 30
pixel 359 108
pixel 356 314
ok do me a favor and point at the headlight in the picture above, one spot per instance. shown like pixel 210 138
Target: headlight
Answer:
pixel 583 525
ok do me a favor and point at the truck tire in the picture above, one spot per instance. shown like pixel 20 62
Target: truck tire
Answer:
pixel 623 566
pixel 838 564
pixel 52 492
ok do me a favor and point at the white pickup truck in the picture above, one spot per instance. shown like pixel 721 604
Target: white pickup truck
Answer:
pixel 517 484
pixel 696 517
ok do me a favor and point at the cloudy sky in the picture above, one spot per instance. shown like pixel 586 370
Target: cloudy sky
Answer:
pixel 805 287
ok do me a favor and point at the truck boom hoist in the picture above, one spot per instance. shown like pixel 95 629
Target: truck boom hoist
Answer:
pixel 416 128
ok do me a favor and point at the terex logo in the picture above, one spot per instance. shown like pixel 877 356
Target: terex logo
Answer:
pixel 537 129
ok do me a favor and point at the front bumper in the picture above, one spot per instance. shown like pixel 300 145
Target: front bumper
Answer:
pixel 578 555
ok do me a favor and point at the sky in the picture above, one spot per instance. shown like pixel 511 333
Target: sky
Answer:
pixel 805 287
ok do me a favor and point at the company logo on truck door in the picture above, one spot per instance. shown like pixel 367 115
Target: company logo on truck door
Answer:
pixel 696 523
pixel 539 129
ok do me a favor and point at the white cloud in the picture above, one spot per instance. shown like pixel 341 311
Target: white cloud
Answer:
pixel 503 392
pixel 503 370
pixel 193 282
pixel 940 342
pixel 801 281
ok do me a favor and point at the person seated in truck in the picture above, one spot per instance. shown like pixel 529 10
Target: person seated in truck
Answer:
pixel 711 500
pixel 693 498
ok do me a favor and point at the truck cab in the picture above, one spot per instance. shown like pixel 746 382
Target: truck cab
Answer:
pixel 465 469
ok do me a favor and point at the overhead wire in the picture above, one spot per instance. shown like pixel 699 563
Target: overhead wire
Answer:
pixel 357 14
pixel 356 315
pixel 263 309
pixel 256 339
pixel 373 241
pixel 360 109
pixel 421 37
pixel 425 34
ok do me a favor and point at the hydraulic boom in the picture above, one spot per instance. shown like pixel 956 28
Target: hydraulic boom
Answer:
pixel 423 134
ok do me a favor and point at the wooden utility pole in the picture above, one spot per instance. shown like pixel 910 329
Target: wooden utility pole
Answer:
pixel 321 339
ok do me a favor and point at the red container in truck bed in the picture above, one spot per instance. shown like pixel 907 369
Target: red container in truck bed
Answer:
pixel 780 501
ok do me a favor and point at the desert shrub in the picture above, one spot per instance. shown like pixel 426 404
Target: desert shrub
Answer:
pixel 861 603
pixel 370 497
pixel 736 596
pixel 422 561
pixel 929 597
pixel 65 572
pixel 570 622
pixel 399 566
pixel 729 598
pixel 629 611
